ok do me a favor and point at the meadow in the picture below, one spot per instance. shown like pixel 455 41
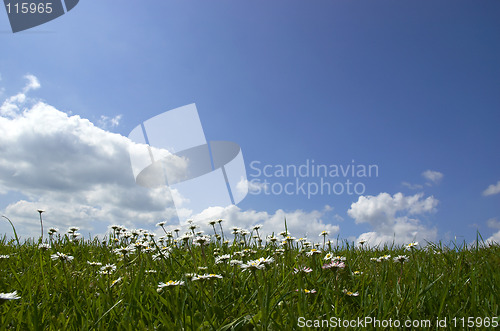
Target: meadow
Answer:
pixel 236 279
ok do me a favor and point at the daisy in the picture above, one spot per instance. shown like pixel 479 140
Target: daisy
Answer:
pixel 108 269
pixel 53 230
pixel 161 285
pixel 328 256
pixel 401 259
pixel 324 233
pixel 302 269
pixel 161 224
pixel 116 281
pixel 62 257
pixel 207 276
pixel 9 296
pixel 252 266
pixel 412 245
pixel 222 258
pixel 308 291
pixel 334 264
pixel 351 294
pixel 235 262
pixel 124 250
pixel 4 257
pixel 313 251
pixel 94 263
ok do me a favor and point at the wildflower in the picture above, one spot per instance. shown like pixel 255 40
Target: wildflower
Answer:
pixel 115 227
pixel 272 239
pixel 190 276
pixel 44 247
pixel 201 240
pixel 212 223
pixel 94 263
pixel 161 255
pixel 220 221
pixel 328 256
pixel 116 281
pixel 161 224
pixel 279 251
pixel 412 245
pixel 284 233
pixel 268 260
pixel 9 296
pixel 382 258
pixel 252 266
pixel 108 269
pixel 62 257
pixel 161 285
pixel 308 291
pixel 73 229
pixel 302 269
pixel 257 227
pixel 401 258
pixel 351 294
pixel 4 257
pixel 244 232
pixel 207 276
pixel 124 250
pixel 362 242
pixel 53 230
pixel 324 233
pixel 339 258
pixel 334 264
pixel 313 251
pixel 357 273
pixel 235 262
pixel 222 258
pixel 151 271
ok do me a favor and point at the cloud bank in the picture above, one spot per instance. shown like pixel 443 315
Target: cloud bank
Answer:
pixel 393 218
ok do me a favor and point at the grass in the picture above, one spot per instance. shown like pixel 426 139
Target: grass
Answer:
pixel 288 288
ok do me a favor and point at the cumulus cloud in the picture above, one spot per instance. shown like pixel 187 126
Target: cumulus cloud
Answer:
pixel 433 177
pixel 393 217
pixel 492 189
pixel 299 223
pixel 10 107
pixel 412 186
pixel 78 172
pixel 493 223
pixel 81 175
pixel 106 122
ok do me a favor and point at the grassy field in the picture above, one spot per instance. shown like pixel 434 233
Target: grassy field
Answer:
pixel 234 279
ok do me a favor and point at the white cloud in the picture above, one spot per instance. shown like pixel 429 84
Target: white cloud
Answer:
pixel 492 189
pixel 81 175
pixel 10 107
pixel 495 237
pixel 106 122
pixel 78 172
pixel 392 217
pixel 299 223
pixel 412 186
pixel 432 176
pixel 33 84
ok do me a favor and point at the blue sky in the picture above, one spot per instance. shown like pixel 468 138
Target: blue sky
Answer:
pixel 409 86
